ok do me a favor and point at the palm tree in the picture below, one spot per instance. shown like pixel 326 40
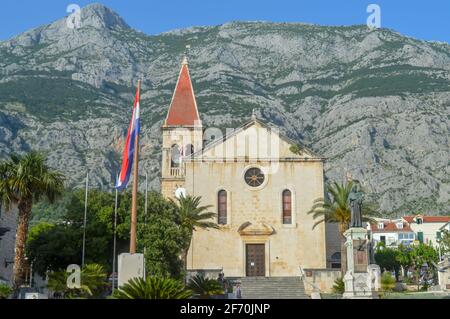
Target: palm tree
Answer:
pixel 93 282
pixel 94 279
pixel 152 288
pixel 193 216
pixel 204 288
pixel 336 209
pixel 24 180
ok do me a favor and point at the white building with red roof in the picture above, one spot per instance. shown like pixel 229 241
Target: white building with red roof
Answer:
pixel 427 228
pixel 392 232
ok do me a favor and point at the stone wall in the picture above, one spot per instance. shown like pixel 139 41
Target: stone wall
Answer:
pixel 322 279
pixel 8 219
pixel 287 246
pixel 207 273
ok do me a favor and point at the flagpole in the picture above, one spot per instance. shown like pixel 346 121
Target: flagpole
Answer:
pixel 135 188
pixel 85 217
pixel 146 204
pixel 115 235
pixel 146 198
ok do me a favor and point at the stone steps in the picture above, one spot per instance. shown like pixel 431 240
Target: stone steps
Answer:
pixel 272 288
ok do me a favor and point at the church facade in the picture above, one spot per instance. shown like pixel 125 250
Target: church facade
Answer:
pixel 259 186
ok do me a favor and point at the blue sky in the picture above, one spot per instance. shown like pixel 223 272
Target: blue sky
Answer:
pixel 422 19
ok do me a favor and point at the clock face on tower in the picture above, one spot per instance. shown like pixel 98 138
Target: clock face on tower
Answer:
pixel 180 192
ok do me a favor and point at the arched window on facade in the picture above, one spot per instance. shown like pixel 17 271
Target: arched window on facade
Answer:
pixel 222 207
pixel 287 207
pixel 189 149
pixel 175 156
pixel 336 260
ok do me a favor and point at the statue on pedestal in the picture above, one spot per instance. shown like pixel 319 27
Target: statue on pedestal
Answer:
pixel 362 278
pixel 355 199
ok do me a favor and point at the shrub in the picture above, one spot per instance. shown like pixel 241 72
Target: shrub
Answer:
pixel 205 288
pixel 387 281
pixel 152 288
pixel 5 291
pixel 339 286
pixel 93 283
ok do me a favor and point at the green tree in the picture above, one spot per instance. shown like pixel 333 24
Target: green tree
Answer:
pixel 404 257
pixel 153 287
pixel 422 255
pixel 444 242
pixel 205 288
pixel 387 282
pixel 25 180
pixel 387 259
pixel 193 216
pixel 335 209
pixel 55 246
pixel 39 228
pixel 99 224
pixel 93 283
pixel 162 238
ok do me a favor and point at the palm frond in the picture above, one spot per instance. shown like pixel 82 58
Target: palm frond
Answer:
pixel 153 288
pixel 335 208
pixel 205 287
pixel 28 177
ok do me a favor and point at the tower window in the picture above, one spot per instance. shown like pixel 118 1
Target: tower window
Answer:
pixel 175 156
pixel 287 207
pixel 189 149
pixel 222 207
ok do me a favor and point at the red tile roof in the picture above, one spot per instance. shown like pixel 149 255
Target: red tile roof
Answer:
pixel 428 219
pixel 390 227
pixel 183 108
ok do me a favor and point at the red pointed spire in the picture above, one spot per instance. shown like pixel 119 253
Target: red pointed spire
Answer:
pixel 183 108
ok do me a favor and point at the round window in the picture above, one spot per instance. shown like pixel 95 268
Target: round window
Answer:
pixel 254 177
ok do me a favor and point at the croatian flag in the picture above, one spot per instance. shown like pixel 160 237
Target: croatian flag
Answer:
pixel 128 152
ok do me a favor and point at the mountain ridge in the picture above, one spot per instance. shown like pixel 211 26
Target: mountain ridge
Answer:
pixel 375 103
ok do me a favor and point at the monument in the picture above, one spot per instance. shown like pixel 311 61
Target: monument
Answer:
pixel 362 279
pixel 130 266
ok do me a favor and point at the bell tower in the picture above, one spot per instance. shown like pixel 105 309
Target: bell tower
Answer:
pixel 182 133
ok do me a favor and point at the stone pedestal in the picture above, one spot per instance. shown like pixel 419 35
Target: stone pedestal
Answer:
pixel 361 279
pixel 130 266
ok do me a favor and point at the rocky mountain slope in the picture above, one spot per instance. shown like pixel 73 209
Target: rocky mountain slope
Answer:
pixel 375 103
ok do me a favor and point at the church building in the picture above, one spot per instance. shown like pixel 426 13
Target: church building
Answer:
pixel 260 188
